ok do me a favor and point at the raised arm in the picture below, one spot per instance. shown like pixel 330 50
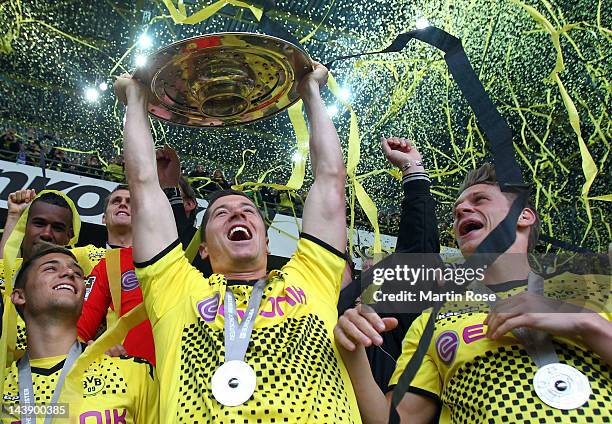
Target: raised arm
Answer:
pixel 324 214
pixel 17 202
pixel 152 220
pixel 169 174
pixel 418 229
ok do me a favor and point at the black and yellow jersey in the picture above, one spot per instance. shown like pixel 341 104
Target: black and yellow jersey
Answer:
pixel 115 390
pixel 300 376
pixel 477 379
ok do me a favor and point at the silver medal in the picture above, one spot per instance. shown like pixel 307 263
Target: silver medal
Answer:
pixel 233 383
pixel 561 386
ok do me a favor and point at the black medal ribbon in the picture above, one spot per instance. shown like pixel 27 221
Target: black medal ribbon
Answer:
pixel 493 124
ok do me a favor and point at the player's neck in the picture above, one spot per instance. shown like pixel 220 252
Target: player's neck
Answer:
pixel 120 238
pixel 245 275
pixel 48 338
pixel 508 267
pixel 242 270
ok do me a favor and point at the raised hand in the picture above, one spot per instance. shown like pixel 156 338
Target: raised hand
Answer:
pixel 401 152
pixel 124 85
pixel 168 167
pixel 19 201
pixel 313 80
pixel 361 326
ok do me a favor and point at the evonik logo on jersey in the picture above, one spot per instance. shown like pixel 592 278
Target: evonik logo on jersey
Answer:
pixel 272 306
pixel 447 343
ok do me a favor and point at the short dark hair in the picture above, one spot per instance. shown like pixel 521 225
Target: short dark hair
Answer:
pixel 216 195
pixel 52 199
pixel 189 193
pixel 486 175
pixel 42 250
pixel 186 188
pixel 107 198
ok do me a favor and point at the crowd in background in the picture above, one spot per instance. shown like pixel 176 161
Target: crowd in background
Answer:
pixel 32 148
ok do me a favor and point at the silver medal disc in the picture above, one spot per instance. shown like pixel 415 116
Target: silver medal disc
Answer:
pixel 561 386
pixel 233 383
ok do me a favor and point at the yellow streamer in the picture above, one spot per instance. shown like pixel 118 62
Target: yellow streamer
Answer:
pixel 606 198
pixel 589 168
pixel 14 30
pixel 192 250
pixel 244 153
pixel 72 392
pixel 314 31
pixel 62 33
pixel 296 180
pixel 113 271
pixel 179 15
pixel 363 198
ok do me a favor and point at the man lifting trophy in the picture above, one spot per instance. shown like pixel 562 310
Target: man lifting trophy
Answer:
pixel 245 343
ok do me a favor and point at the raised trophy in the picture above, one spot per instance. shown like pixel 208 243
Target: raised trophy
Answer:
pixel 223 79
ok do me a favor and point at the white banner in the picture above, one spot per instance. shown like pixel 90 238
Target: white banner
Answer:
pixel 88 195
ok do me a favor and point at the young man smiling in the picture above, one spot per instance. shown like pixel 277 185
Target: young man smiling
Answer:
pixel 477 369
pixel 48 294
pixel 280 364
pixel 50 218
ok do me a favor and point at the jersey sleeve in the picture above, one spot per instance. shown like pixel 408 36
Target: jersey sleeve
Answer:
pixel 167 279
pixel 427 381
pixel 96 305
pixel 142 387
pixel 147 401
pixel 319 265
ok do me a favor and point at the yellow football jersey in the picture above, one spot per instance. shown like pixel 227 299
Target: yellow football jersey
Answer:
pixel 300 376
pixel 476 379
pixel 115 391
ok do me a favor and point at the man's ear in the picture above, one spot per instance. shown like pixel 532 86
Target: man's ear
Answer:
pixel 203 251
pixel 267 246
pixel 527 218
pixel 18 297
pixel 104 218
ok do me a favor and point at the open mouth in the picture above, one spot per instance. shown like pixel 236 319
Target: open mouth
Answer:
pixel 122 213
pixel 239 233
pixel 65 287
pixel 468 226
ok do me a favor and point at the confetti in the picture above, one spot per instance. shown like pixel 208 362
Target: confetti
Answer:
pixel 52 52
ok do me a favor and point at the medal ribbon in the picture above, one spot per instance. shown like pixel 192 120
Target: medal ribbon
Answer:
pixel 237 336
pixel 26 387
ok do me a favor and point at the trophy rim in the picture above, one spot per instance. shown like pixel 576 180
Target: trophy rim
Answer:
pixel 216 34
pixel 147 75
